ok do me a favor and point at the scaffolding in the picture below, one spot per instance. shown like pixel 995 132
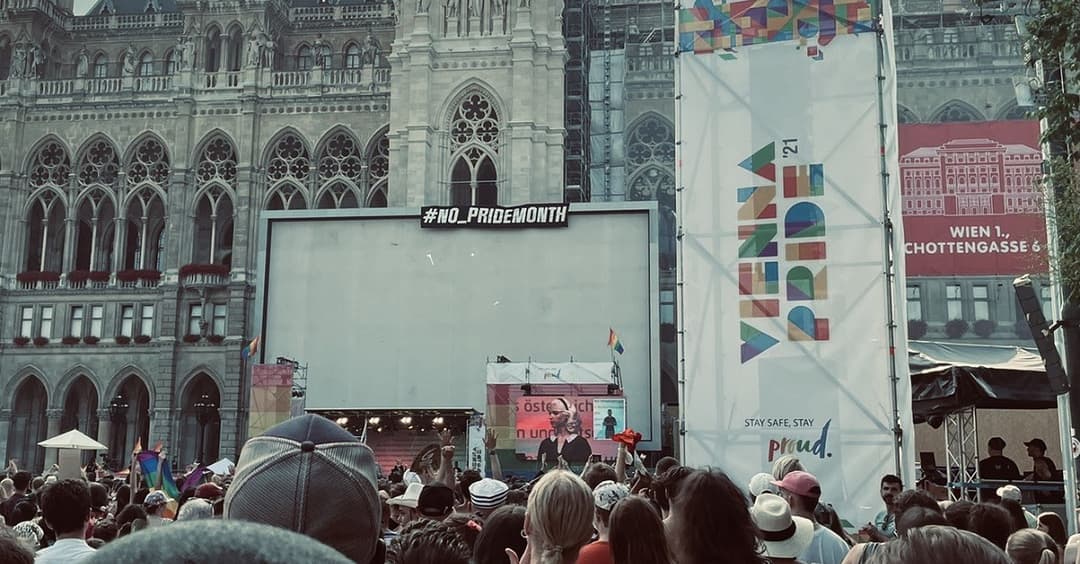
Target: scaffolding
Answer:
pixel 962 454
pixel 576 29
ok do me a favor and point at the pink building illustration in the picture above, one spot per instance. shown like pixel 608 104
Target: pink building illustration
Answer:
pixel 969 177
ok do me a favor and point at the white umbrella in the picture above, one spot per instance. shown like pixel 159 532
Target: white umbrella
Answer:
pixel 73 439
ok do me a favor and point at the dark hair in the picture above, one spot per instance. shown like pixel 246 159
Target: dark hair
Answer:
pixel 66 505
pixel 919 517
pixel 99 495
pixel 597 473
pixel 1055 527
pixel 12 550
pixel 140 496
pixel 123 496
pixel 637 533
pixel 935 543
pixel 908 499
pixel 36 483
pixel 467 527
pixel 468 478
pixel 958 514
pixel 991 522
pixel 714 520
pixel 1032 546
pixel 424 541
pixel 891 479
pixel 502 530
pixel 1016 511
pixel 397 488
pixel 24 511
pixel 95 543
pixel 666 463
pixel 517 497
pixel 106 529
pixel 21 480
pixel 666 486
pixel 129 514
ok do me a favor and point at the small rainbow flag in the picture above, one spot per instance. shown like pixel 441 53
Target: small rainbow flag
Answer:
pixel 250 348
pixel 613 341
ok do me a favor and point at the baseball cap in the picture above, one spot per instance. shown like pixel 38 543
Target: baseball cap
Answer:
pixel 800 483
pixel 304 474
pixel 608 493
pixel 436 500
pixel 761 483
pixel 488 494
pixel 208 490
pixel 996 443
pixel 1037 443
pixel 155 499
pixel 410 498
pixel 1009 492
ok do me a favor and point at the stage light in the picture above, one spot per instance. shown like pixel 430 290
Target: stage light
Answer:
pixel 374 420
pixel 379 430
pixel 437 421
pixel 406 420
pixel 343 421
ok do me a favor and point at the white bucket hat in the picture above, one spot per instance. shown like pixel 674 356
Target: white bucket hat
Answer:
pixel 785 535
pixel 410 498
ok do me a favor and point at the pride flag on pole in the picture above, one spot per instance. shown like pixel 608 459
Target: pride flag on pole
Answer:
pixel 150 464
pixel 613 341
pixel 250 348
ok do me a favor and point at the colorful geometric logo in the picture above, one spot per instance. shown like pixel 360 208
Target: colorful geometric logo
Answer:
pixel 761 162
pixel 754 342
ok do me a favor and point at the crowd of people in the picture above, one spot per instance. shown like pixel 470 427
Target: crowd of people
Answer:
pixel 307 490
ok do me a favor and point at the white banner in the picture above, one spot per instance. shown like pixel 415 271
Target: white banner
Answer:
pixel 786 308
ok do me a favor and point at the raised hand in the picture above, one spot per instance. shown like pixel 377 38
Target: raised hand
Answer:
pixel 490 438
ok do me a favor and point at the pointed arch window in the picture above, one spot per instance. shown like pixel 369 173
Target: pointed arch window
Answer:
pixel 287 171
pixel 217 163
pixel 305 60
pixel 94 234
pixel 99 164
pixel 652 141
pixel 352 56
pixel 957 112
pixel 341 172
pixel 149 163
pixel 45 232
pixel 146 65
pixel 474 144
pixel 101 66
pixel 50 166
pixel 379 171
pixel 213 50
pixel 144 245
pixel 216 176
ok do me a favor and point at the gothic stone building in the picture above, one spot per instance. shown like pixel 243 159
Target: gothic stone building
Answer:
pixel 141 142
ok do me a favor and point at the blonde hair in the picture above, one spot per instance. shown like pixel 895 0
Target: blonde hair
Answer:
pixel 7 488
pixel 1032 546
pixel 785 465
pixel 560 517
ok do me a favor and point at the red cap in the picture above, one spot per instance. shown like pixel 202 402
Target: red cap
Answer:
pixel 800 483
pixel 208 490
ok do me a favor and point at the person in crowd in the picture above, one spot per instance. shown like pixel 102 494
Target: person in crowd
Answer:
pixel 884 526
pixel 12 550
pixel 467 526
pixel 466 479
pixel 636 533
pixel 404 505
pixel 130 514
pixel 605 496
pixel 1051 524
pixel 710 521
pixel 154 504
pixel 1032 546
pixel 123 497
pixel 195 509
pixel 217 542
pixel 486 495
pixel 209 491
pixel 7 487
pixel 991 522
pixel 65 505
pixel 785 536
pixel 517 496
pixel 21 482
pixel 916 517
pixel 305 474
pixel 427 541
pixel 997 466
pixel 936 543
pixel 501 531
pixel 558 520
pixel 957 513
pixel 565 440
pixel 436 502
pixel 802 491
pixel 596 473
pixel 787 463
pixel 106 530
pixel 666 486
pixel 666 463
pixel 1040 463
pixel 1010 497
pixel 760 483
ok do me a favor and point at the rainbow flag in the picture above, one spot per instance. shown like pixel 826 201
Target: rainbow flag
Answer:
pixel 250 348
pixel 149 464
pixel 613 341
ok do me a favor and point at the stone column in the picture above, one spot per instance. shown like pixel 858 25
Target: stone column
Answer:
pixel 104 430
pixel 54 416
pixel 5 426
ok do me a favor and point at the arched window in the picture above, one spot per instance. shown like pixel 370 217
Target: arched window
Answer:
pixel 287 173
pixel 378 171
pixel 101 66
pixel 5 57
pixel 95 211
pixel 50 166
pixel 341 172
pixel 905 115
pixel 956 111
pixel 213 49
pixel 352 56
pixel 148 172
pixel 149 163
pixel 474 144
pixel 80 411
pixel 129 413
pixel 304 58
pixel 45 226
pixel 28 425
pixel 200 422
pixel 234 51
pixel 651 141
pixel 170 62
pixel 146 64
pixel 216 178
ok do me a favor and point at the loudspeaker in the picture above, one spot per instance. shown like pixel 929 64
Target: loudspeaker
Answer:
pixel 1040 331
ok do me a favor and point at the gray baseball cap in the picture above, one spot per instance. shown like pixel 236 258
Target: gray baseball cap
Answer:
pixel 311 476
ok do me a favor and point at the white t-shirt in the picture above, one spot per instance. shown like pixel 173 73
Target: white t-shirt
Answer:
pixel 64 551
pixel 826 548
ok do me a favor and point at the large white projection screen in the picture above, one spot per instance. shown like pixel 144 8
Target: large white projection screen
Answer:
pixel 390 316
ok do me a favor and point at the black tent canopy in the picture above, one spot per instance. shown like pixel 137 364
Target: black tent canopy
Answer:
pixel 947 378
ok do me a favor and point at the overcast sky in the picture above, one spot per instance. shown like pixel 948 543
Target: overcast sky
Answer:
pixel 81 6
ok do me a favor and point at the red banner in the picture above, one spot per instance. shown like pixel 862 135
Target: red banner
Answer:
pixel 972 203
